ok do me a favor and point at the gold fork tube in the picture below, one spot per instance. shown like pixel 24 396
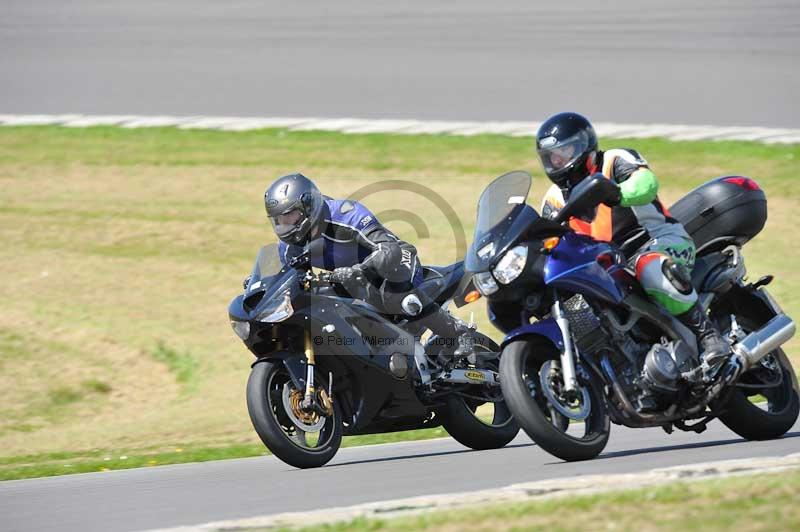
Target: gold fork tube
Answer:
pixel 310 362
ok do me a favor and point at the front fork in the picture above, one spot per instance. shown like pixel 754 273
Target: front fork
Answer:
pixel 309 397
pixel 567 354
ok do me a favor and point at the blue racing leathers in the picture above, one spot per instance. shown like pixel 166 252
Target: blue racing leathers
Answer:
pixel 353 236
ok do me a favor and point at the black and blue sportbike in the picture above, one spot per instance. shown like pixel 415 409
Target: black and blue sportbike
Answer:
pixel 329 365
pixel 590 347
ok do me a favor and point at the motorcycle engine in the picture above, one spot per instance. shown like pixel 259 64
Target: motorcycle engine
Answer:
pixel 660 371
pixel 649 375
pixel 658 380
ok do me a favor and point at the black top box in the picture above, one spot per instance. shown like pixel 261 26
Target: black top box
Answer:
pixel 724 211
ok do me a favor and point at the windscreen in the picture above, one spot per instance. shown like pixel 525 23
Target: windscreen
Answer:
pixel 503 216
pixel 499 200
pixel 268 263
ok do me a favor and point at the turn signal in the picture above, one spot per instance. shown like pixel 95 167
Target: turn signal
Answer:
pixel 472 297
pixel 549 243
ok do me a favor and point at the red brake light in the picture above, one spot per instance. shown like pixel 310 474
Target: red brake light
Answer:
pixel 744 182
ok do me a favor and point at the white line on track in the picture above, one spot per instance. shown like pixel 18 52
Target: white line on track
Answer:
pixel 361 126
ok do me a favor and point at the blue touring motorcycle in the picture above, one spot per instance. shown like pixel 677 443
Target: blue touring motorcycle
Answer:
pixel 590 348
pixel 329 365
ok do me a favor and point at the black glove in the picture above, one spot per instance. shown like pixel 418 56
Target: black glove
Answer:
pixel 614 196
pixel 347 275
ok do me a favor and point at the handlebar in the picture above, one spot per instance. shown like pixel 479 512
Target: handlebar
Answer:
pixel 314 280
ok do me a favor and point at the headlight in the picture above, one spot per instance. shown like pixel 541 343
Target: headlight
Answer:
pixel 278 309
pixel 241 328
pixel 511 265
pixel 485 283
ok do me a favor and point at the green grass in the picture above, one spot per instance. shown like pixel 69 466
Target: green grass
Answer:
pixel 95 385
pixel 51 464
pixel 97 460
pixel 180 363
pixel 767 502
pixel 122 249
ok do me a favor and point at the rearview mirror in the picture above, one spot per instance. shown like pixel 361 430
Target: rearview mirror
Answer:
pixel 587 194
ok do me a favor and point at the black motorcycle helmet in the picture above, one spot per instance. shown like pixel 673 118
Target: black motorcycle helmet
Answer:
pixel 567 146
pixel 294 206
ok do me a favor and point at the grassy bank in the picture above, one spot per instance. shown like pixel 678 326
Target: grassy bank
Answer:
pixel 755 503
pixel 122 248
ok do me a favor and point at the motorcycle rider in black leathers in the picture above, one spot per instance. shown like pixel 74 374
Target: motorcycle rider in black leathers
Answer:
pixel 367 259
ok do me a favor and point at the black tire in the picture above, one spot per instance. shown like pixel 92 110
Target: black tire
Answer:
pixel 459 420
pixel 752 422
pixel 517 363
pixel 265 411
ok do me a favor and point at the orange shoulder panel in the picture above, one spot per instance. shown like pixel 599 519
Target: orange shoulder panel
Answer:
pixel 601 225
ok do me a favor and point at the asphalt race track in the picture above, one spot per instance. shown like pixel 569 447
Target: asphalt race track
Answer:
pixel 197 493
pixel 717 62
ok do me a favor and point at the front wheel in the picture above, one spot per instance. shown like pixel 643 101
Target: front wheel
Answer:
pixel 531 385
pixel 477 424
pixel 299 438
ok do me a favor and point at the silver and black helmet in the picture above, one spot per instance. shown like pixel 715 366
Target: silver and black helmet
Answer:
pixel 294 205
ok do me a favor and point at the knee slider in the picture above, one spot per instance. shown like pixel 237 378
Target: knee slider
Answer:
pixel 678 275
pixel 412 305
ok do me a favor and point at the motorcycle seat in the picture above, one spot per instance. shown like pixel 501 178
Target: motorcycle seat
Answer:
pixel 715 272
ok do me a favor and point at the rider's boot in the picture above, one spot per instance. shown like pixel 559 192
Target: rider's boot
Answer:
pixel 459 337
pixel 466 342
pixel 713 347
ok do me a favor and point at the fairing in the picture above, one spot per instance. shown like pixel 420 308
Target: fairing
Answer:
pixel 349 339
pixel 573 265
pixel 547 328
pixel 268 280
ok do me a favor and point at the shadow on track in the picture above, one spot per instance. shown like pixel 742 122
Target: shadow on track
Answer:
pixel 424 455
pixel 699 445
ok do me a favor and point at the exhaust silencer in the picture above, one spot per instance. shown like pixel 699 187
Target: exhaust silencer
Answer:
pixel 760 343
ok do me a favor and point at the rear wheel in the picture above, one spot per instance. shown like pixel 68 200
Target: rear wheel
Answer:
pixel 475 423
pixel 299 438
pixel 531 385
pixel 765 404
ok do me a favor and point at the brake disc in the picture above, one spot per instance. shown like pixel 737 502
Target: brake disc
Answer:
pixel 305 421
pixel 577 412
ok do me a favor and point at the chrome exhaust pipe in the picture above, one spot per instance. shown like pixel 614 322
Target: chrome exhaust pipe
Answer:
pixel 758 344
